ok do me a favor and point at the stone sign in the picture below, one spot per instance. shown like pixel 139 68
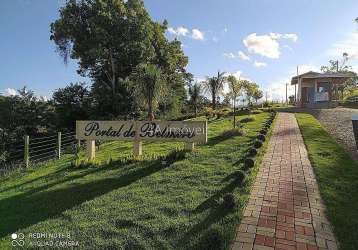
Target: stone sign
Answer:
pixel 179 131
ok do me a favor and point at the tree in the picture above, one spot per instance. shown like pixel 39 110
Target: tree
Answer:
pixel 195 96
pixel 24 113
pixel 214 86
pixel 334 66
pixel 258 94
pixel 71 103
pixel 147 85
pixel 235 87
pixel 110 39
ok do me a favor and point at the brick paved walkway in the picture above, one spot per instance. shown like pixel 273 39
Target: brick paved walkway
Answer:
pixel 285 210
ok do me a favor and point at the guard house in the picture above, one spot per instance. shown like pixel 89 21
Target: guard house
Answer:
pixel 318 90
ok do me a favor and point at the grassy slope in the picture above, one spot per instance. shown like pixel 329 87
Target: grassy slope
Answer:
pixel 337 176
pixel 138 204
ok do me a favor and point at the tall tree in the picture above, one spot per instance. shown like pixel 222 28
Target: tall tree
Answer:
pixel 235 87
pixel 109 39
pixel 147 84
pixel 195 96
pixel 71 103
pixel 214 86
pixel 258 94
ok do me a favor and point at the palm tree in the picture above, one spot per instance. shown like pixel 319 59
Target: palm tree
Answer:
pixel 148 86
pixel 235 87
pixel 195 96
pixel 214 86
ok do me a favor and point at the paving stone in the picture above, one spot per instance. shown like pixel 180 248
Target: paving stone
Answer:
pixel 285 209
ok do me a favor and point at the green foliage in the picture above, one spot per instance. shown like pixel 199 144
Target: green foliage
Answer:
pixel 249 163
pixel 257 144
pixel 148 86
pixel 71 103
pixel 195 95
pixel 232 132
pixel 110 39
pixel 252 152
pixel 23 114
pixel 214 86
pixel 229 201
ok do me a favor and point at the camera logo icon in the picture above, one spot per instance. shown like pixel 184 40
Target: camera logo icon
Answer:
pixel 17 240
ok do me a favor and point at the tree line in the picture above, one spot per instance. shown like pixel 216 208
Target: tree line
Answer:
pixel 135 72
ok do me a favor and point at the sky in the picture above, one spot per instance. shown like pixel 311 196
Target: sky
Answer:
pixel 260 40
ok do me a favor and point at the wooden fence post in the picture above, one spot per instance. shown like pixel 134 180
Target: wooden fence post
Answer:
pixel 91 149
pixel 26 151
pixel 59 145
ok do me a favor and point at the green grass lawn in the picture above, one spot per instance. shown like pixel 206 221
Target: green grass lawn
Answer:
pixel 337 176
pixel 137 203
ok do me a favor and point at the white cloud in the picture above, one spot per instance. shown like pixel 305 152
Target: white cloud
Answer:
pixel 260 64
pixel 348 45
pixel 197 34
pixel 185 32
pixel 304 69
pixel 226 29
pixel 230 55
pixel 277 91
pixel 180 31
pixel 262 45
pixel 241 55
pixel 267 45
pixel 291 36
pixel 10 92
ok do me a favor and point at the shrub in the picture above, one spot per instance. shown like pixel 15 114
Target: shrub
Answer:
pixel 263 131
pixel 261 137
pixel 257 144
pixel 252 152
pixel 240 177
pixel 232 132
pixel 249 163
pixel 255 112
pixel 212 239
pixel 247 119
pixel 229 201
pixel 209 112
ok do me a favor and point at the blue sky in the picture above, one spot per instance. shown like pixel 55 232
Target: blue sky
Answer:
pixel 260 40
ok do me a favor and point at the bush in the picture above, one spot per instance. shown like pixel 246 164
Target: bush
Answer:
pixel 249 163
pixel 209 112
pixel 257 144
pixel 229 201
pixel 247 119
pixel 232 132
pixel 261 137
pixel 212 239
pixel 263 131
pixel 240 177
pixel 252 152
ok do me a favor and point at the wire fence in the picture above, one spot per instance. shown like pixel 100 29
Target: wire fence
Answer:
pixel 34 150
